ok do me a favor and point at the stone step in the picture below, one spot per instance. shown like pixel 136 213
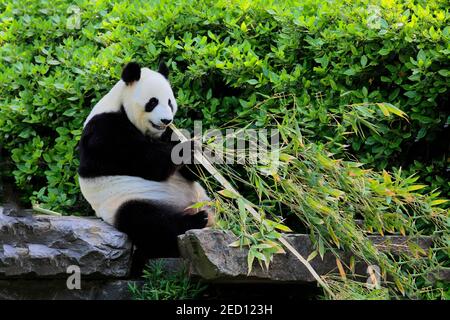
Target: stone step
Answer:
pixel 56 289
pixel 209 256
pixel 45 246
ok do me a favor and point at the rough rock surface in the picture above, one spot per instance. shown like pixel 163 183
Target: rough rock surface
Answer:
pixel 56 289
pixel 44 246
pixel 90 289
pixel 209 256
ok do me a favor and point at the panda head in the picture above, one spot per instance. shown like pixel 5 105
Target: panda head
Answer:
pixel 148 99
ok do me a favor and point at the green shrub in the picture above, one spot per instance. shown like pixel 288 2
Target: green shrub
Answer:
pixel 161 285
pixel 59 57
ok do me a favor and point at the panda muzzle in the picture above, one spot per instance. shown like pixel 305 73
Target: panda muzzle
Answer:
pixel 163 127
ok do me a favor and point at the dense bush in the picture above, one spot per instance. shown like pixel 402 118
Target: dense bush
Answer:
pixel 59 57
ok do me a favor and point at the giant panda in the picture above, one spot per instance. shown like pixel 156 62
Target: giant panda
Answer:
pixel 126 171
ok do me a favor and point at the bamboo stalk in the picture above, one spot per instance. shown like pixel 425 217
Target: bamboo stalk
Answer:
pixel 45 211
pixel 224 182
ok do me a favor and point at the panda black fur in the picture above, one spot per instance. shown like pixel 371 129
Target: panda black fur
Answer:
pixel 126 170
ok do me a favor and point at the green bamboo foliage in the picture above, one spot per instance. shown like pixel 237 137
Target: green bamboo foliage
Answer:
pixel 327 194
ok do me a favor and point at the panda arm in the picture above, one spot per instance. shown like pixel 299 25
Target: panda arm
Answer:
pixel 146 158
pixel 110 146
pixel 190 171
pixel 153 160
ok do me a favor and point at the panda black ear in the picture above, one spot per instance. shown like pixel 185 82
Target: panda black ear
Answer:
pixel 163 69
pixel 131 73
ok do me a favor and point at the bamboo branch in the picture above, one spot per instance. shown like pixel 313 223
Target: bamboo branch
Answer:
pixel 221 179
pixel 45 211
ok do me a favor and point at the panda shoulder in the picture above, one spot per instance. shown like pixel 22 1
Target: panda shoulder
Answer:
pixel 105 123
pixel 103 127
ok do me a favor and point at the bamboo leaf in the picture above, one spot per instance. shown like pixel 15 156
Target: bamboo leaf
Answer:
pixel 416 187
pixel 321 248
pixel 199 205
pixel 438 202
pixel 383 109
pixel 259 256
pixel 333 236
pixel 312 255
pixel 240 242
pixel 341 269
pixel 352 264
pixel 399 286
pixel 242 210
pixel 228 194
pixel 235 244
pixel 393 109
pixel 250 259
pixel 388 108
pixel 286 158
pixel 278 226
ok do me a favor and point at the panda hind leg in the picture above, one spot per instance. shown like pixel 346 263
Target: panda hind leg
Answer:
pixel 153 228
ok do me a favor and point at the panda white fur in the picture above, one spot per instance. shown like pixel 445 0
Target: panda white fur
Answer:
pixel 126 170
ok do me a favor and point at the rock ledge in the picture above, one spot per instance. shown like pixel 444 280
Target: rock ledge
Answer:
pixel 44 246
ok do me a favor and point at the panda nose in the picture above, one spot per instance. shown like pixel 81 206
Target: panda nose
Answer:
pixel 166 121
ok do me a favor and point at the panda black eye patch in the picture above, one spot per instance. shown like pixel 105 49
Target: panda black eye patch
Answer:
pixel 170 105
pixel 151 104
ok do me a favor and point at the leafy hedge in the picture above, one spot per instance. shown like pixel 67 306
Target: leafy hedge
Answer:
pixel 59 57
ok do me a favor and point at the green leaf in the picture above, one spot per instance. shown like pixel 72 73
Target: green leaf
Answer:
pixel 438 202
pixel 444 72
pixel 250 259
pixel 199 205
pixel 312 255
pixel 421 55
pixel 394 94
pixel 349 72
pixel 321 248
pixel 383 109
pixel 242 210
pixel 384 51
pixel 363 60
pixel 244 26
pixel 240 242
pixel 399 286
pixel 422 133
pixel 416 187
pixel 228 194
pixel 324 60
pixel 259 255
pixel 278 226
pixel 53 62
pixel 388 108
pixel 411 94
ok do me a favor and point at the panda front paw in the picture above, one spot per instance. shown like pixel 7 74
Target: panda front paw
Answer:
pixel 195 221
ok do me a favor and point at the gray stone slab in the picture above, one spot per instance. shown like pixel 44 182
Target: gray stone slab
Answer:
pixel 56 289
pixel 44 246
pixel 210 257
